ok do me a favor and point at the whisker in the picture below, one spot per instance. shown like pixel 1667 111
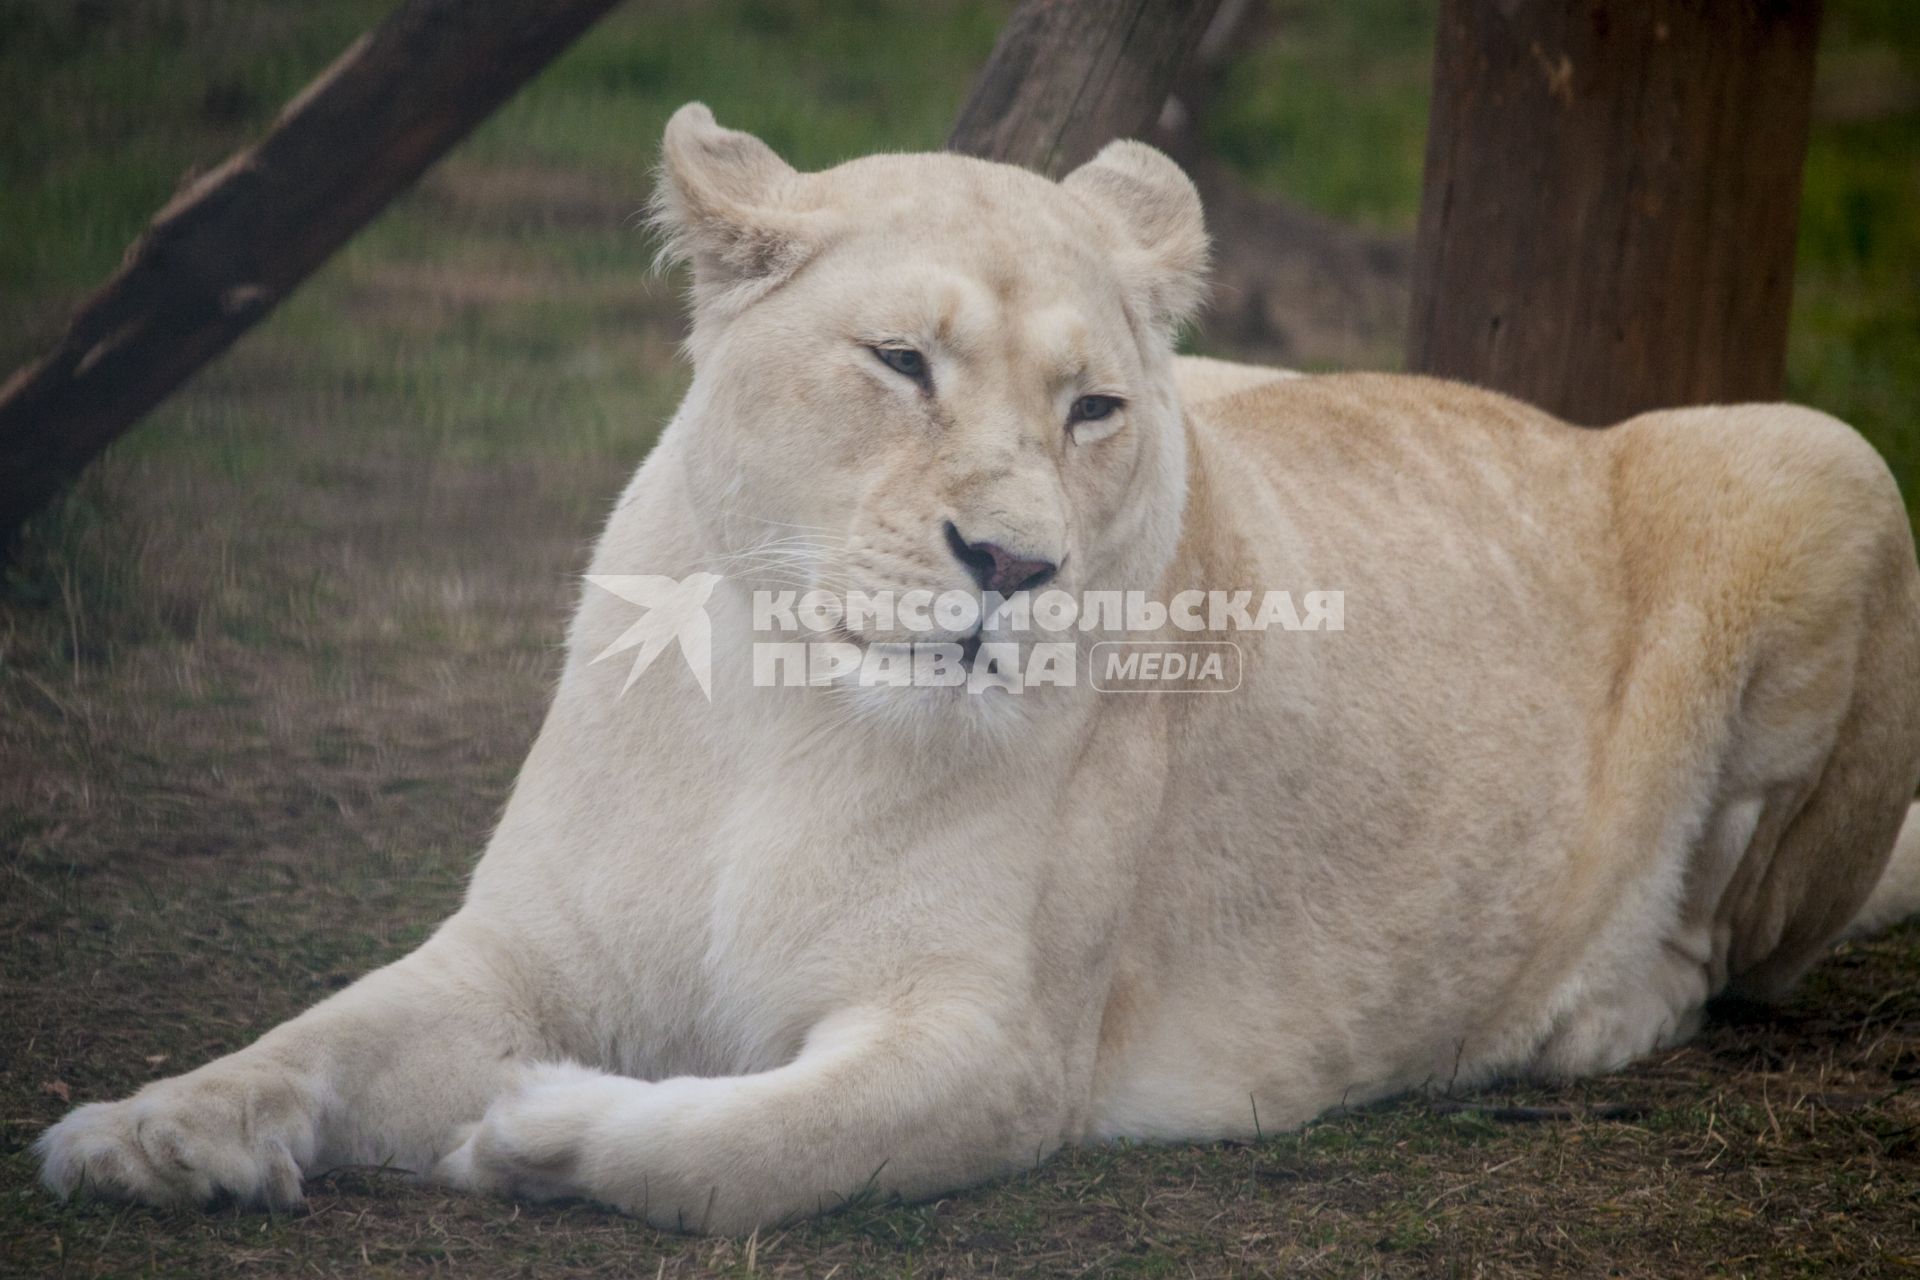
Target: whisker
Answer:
pixel 782 524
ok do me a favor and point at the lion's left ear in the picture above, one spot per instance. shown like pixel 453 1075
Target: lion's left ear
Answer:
pixel 1163 228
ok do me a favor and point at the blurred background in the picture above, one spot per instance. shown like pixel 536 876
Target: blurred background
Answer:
pixel 267 672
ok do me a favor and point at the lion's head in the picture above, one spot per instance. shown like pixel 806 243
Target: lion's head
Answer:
pixel 932 372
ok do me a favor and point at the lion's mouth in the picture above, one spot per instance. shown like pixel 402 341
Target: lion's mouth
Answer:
pixel 969 644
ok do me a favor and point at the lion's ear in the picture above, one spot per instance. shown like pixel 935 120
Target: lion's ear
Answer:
pixel 1163 228
pixel 727 204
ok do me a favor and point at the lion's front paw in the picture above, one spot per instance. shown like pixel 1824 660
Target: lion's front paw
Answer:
pixel 187 1141
pixel 533 1142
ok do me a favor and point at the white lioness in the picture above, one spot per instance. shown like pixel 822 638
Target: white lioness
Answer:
pixel 1618 720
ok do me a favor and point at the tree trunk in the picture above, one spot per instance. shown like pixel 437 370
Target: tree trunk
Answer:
pixel 221 254
pixel 1069 76
pixel 1610 201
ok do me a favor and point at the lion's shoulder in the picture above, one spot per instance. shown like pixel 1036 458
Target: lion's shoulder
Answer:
pixel 1203 379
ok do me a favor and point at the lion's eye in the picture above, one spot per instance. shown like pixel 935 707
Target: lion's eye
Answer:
pixel 906 362
pixel 1093 408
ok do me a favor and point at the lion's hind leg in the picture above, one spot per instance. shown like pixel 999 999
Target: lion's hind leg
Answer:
pixel 1784 638
pixel 1800 888
pixel 1853 623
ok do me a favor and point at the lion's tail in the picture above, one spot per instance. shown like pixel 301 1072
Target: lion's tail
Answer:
pixel 1897 895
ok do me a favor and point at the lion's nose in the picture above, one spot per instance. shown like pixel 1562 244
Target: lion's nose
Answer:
pixel 997 569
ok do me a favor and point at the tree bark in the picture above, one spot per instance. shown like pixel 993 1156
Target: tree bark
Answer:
pixel 1611 195
pixel 221 254
pixel 1068 76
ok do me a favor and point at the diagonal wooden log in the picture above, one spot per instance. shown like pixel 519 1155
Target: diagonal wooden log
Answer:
pixel 1068 76
pixel 222 253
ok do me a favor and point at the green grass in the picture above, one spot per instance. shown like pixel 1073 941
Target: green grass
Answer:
pixel 1855 342
pixel 1332 111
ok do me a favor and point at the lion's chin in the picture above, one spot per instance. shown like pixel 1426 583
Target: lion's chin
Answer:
pixel 911 711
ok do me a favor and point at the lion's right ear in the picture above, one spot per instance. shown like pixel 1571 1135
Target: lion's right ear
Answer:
pixel 728 205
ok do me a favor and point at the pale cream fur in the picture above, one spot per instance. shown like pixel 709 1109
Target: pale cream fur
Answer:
pixel 1619 719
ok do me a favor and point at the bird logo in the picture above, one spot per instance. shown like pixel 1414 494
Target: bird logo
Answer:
pixel 675 610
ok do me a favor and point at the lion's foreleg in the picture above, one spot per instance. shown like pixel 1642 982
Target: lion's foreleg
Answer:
pixel 385 1072
pixel 873 1104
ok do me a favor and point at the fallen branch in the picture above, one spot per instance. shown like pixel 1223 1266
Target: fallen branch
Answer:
pixel 221 254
